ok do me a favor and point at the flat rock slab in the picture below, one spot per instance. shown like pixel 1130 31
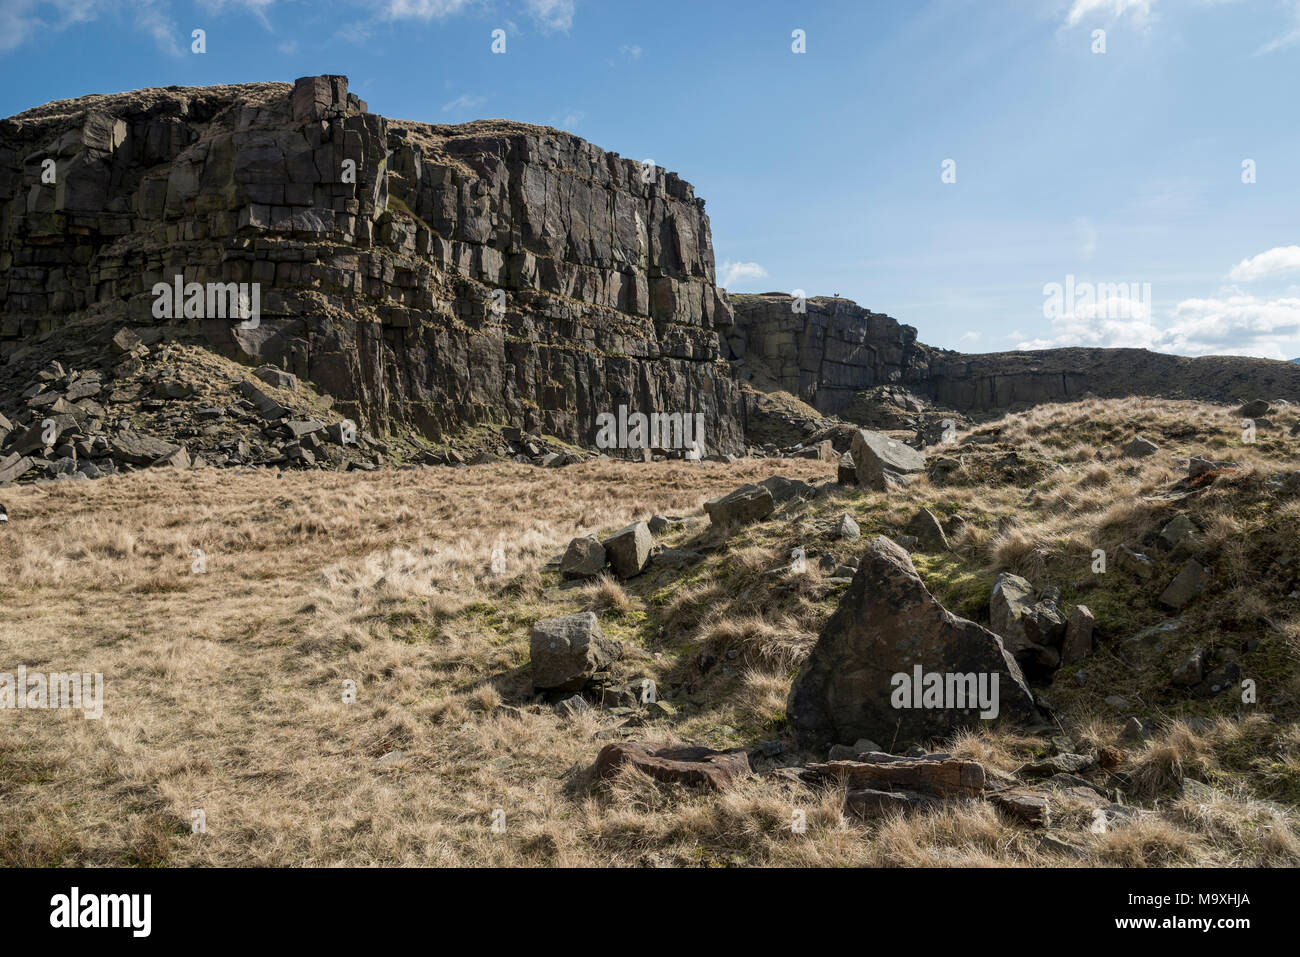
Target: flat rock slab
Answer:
pixel 1025 805
pixel 947 778
pixel 691 765
pixel 140 449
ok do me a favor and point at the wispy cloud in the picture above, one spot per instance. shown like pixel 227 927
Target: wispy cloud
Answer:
pixel 551 14
pixel 466 101
pixel 1111 10
pixel 423 9
pixel 733 273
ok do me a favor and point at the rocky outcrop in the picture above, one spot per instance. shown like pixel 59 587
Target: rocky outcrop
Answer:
pixel 823 355
pixel 425 277
pixel 838 358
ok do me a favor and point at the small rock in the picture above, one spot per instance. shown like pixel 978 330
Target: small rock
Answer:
pixel 1140 447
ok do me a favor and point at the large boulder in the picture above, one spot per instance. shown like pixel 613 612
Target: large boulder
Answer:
pixel 891 661
pixel 584 558
pixel 749 503
pixel 785 489
pixel 567 651
pixel 628 549
pixel 881 461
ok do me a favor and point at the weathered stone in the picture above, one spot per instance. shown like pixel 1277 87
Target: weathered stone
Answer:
pixel 1187 585
pixel 946 777
pixel 847 472
pixel 584 558
pixel 139 449
pixel 1066 763
pixel 1136 562
pixel 925 527
pixel 785 489
pixel 1179 532
pixel 1077 644
pixel 888 624
pixel 15 467
pixel 565 652
pixel 1031 629
pixel 694 766
pixel 1025 805
pixel 880 459
pixel 847 528
pixel 749 503
pixel 266 407
pixel 1139 447
pixel 628 550
pixel 277 378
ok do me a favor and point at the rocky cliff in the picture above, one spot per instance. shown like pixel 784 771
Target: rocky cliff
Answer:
pixel 834 350
pixel 425 277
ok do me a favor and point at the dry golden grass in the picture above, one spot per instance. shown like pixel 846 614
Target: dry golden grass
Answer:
pixel 224 690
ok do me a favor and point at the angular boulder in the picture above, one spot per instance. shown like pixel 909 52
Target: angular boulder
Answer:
pixel 785 489
pixel 584 558
pixel 567 651
pixel 880 460
pixel 749 503
pixel 927 531
pixel 1032 630
pixel 1188 584
pixel 887 627
pixel 1077 644
pixel 1140 447
pixel 628 549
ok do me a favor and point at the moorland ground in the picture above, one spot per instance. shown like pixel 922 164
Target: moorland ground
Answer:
pixel 224 689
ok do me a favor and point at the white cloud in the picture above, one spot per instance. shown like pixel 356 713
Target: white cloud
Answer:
pixel 552 14
pixel 1111 9
pixel 423 9
pixel 1279 259
pixel 1238 325
pixel 733 273
pixel 630 51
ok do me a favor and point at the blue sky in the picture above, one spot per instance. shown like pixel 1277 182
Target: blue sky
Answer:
pixel 823 169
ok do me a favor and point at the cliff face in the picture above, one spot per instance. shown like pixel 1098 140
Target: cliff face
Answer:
pixel 825 354
pixel 427 277
pixel 836 349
